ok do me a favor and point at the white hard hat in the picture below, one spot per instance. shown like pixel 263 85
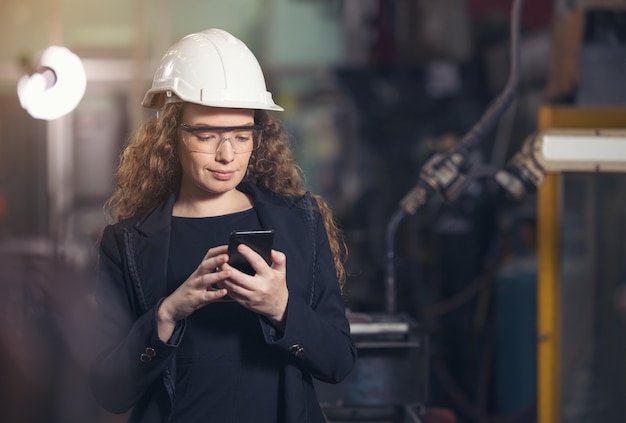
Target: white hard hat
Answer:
pixel 211 68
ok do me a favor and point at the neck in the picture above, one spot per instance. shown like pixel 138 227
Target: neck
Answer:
pixel 211 205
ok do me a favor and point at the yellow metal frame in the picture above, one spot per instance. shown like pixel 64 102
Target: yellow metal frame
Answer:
pixel 549 262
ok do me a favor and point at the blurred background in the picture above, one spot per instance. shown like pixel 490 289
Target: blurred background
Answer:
pixel 372 89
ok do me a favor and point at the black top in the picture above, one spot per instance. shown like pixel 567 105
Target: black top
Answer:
pixel 225 370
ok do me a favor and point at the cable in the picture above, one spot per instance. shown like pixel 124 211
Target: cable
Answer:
pixel 444 174
pixel 478 132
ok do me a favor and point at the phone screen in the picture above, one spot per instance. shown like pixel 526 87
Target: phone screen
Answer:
pixel 260 241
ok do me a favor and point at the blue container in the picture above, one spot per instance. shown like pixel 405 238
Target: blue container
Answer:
pixel 515 379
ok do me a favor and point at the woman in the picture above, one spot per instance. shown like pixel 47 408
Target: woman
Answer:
pixel 186 337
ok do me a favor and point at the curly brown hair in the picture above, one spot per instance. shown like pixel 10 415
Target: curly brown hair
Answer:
pixel 150 171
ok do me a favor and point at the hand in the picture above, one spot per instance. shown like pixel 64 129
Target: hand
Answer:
pixel 264 293
pixel 196 292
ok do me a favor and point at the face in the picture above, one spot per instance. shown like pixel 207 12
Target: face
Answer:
pixel 213 174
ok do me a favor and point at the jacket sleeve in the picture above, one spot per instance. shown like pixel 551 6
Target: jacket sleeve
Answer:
pixel 129 355
pixel 317 335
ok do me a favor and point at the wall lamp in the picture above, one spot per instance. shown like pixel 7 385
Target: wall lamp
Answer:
pixel 56 88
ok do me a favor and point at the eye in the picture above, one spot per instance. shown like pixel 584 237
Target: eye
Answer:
pixel 206 136
pixel 243 137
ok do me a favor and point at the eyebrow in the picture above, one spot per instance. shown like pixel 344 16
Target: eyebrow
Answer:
pixel 190 128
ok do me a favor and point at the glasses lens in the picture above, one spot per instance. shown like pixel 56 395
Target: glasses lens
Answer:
pixel 204 140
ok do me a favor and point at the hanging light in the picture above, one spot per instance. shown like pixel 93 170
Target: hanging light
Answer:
pixel 58 86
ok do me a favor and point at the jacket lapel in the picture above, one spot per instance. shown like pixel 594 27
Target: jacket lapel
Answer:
pixel 148 249
pixel 273 212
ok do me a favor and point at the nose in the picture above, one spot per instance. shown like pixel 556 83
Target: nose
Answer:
pixel 225 151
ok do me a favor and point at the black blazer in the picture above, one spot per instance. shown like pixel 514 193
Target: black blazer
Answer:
pixel 135 370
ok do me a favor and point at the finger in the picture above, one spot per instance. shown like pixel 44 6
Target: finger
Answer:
pixel 279 260
pixel 215 251
pixel 257 262
pixel 215 277
pixel 239 293
pixel 211 295
pixel 211 264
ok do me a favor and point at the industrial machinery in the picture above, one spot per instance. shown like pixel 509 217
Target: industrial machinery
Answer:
pixel 389 381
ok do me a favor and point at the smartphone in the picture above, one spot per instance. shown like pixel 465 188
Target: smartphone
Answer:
pixel 260 241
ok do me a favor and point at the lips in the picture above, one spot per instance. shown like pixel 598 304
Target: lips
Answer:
pixel 222 175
